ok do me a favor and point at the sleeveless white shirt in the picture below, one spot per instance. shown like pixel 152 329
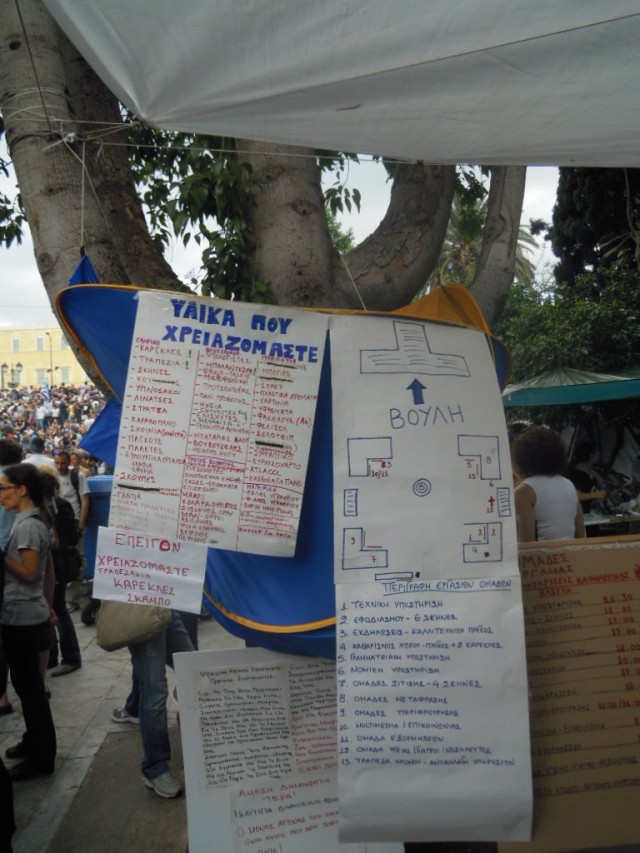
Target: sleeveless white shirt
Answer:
pixel 556 507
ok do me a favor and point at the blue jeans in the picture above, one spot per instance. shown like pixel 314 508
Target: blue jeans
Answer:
pixel 149 662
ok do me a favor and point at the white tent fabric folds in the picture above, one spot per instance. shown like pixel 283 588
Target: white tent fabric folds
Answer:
pixel 462 81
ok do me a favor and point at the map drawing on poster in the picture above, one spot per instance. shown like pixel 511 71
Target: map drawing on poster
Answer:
pixel 217 421
pixel 432 691
pixel 421 459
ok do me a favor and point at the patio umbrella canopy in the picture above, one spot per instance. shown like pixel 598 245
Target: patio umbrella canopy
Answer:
pixel 564 386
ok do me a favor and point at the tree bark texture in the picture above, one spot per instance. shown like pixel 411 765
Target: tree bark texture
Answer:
pixel 52 103
pixel 392 265
pixel 50 99
pixel 294 250
pixel 496 265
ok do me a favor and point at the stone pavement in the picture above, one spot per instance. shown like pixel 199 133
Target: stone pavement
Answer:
pixel 81 704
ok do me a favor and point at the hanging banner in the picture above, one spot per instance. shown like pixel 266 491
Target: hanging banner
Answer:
pixel 422 471
pixel 217 421
pixel 432 691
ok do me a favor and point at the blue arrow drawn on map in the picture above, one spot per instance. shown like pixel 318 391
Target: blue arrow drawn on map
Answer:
pixel 416 389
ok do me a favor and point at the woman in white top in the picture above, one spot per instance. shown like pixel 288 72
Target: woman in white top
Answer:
pixel 547 505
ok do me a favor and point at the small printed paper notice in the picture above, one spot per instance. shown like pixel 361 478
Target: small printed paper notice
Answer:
pixel 259 743
pixel 433 729
pixel 140 569
pixel 217 421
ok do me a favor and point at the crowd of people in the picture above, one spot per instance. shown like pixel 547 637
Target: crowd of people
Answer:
pixel 44 505
pixel 60 416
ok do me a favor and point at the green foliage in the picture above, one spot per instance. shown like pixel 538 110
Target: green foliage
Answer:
pixel 338 196
pixel 596 214
pixel 594 325
pixel 344 241
pixel 195 188
pixel 12 218
pixel 587 327
pixel 463 242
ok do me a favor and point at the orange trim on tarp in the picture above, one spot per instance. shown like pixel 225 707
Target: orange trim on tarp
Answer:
pixel 450 303
pixel 270 629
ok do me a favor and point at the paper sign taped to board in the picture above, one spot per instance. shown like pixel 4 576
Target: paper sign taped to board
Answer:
pixel 259 743
pixel 217 420
pixel 582 613
pixel 141 569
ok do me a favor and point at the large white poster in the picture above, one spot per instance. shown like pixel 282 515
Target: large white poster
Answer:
pixel 423 483
pixel 217 421
pixel 433 722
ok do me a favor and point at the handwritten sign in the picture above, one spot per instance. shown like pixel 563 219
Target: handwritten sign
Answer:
pixel 422 471
pixel 431 687
pixel 217 421
pixel 432 698
pixel 582 608
pixel 143 569
pixel 299 813
pixel 259 744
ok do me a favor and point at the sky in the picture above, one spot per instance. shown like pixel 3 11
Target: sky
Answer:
pixel 23 298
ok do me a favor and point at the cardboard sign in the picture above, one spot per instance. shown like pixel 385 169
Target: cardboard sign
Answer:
pixel 582 611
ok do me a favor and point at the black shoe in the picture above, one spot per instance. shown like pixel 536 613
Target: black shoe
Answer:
pixel 17 751
pixel 28 770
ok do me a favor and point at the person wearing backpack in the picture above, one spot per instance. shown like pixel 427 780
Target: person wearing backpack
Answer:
pixel 74 488
pixel 67 564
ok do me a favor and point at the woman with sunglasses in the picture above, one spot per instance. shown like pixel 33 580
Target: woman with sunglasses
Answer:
pixel 25 614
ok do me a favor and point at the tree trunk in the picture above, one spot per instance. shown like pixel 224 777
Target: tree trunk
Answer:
pixel 45 84
pixel 108 175
pixel 392 265
pixel 496 265
pixel 294 252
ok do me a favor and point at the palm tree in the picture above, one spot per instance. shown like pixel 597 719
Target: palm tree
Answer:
pixel 463 242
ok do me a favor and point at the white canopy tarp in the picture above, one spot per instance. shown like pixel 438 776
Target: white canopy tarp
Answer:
pixel 550 82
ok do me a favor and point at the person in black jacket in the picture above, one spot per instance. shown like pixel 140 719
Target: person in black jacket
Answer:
pixel 66 537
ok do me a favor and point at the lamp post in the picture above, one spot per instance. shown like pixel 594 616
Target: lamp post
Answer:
pixel 48 334
pixel 15 375
pixel 3 369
